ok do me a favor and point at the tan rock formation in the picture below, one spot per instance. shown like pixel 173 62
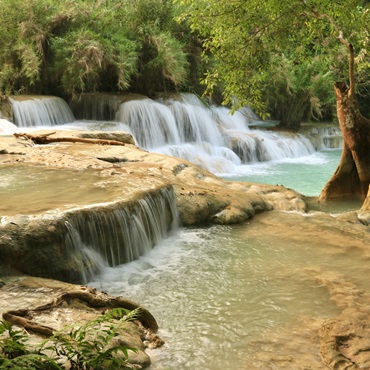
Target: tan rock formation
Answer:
pixel 126 173
pixel 201 196
pixel 317 343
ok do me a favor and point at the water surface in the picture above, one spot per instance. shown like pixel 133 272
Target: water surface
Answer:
pixel 248 296
pixel 221 293
pixel 307 174
pixel 27 189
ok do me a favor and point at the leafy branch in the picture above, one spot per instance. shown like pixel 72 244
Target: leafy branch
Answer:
pixel 88 347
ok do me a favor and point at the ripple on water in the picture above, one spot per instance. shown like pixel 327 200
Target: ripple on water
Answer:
pixel 229 297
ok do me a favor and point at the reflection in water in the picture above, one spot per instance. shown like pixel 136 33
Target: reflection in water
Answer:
pixel 237 297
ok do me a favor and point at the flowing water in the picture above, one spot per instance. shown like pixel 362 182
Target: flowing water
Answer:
pixel 40 111
pixel 225 296
pixel 208 136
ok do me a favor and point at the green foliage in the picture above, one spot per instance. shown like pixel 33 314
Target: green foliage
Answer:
pixel 23 32
pixel 247 37
pixel 245 50
pixel 162 60
pixel 299 92
pixel 83 59
pixel 83 46
pixel 15 353
pixel 14 344
pixel 88 347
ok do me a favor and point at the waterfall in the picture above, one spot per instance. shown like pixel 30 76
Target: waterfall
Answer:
pixel 6 126
pixel 326 137
pixel 151 123
pixel 89 262
pixel 41 111
pixel 181 126
pixel 119 233
pixel 210 137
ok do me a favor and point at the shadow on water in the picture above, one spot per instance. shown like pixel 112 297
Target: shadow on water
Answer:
pixel 333 206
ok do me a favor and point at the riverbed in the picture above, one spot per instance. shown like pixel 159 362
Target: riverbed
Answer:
pixel 250 296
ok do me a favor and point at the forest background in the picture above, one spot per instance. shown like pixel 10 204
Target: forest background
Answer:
pixel 277 57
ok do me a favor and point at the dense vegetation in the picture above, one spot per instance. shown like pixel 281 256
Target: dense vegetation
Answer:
pixel 283 57
pixel 77 46
pixel 88 347
pixel 277 57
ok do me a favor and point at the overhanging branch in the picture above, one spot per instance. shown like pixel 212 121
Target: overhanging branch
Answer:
pixel 313 12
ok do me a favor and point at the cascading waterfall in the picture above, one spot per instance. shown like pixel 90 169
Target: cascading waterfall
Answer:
pixel 89 262
pixel 43 111
pixel 119 233
pixel 209 136
pixel 182 126
pixel 328 137
pixel 151 123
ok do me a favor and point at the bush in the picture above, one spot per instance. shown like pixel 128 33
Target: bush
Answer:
pixel 84 348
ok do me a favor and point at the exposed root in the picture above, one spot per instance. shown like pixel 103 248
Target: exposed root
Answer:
pixel 91 297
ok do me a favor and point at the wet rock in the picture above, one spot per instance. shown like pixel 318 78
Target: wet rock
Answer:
pixel 317 343
pixel 35 242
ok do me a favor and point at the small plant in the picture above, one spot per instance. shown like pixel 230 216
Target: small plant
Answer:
pixel 88 347
pixel 14 344
pixel 16 355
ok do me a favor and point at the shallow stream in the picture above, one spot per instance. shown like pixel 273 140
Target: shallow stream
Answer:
pixel 306 174
pixel 26 189
pixel 230 297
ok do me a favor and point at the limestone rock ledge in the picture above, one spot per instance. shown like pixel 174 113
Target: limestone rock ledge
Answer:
pixel 318 342
pixel 201 196
pixel 126 173
pixel 30 235
pixel 31 230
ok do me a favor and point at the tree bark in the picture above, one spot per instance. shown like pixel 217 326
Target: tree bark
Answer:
pixel 352 177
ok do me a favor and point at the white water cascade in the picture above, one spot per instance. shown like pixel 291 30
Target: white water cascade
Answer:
pixel 209 136
pixel 6 126
pixel 41 111
pixel 115 234
pixel 184 127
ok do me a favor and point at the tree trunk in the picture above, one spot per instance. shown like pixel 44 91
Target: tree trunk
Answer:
pixel 352 177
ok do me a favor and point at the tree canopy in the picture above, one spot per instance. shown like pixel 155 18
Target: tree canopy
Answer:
pixel 79 46
pixel 281 58
pixel 255 43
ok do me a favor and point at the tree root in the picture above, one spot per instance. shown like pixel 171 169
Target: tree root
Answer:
pixel 91 297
